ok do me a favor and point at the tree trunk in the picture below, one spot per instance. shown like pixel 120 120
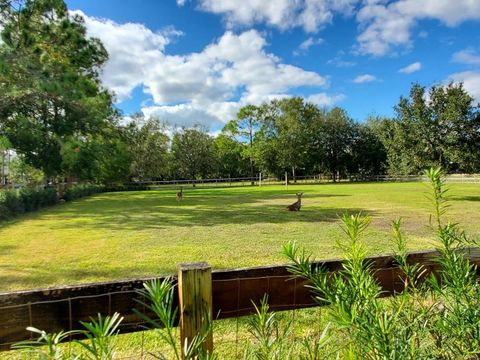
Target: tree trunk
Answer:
pixel 2 175
pixel 251 171
pixel 250 129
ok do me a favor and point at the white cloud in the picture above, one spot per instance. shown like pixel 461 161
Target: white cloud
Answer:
pixel 324 99
pixel 204 87
pixel 386 25
pixel 416 66
pixel 311 15
pixel 364 78
pixel 183 115
pixel 180 2
pixel 471 82
pixel 132 48
pixel 307 44
pixel 339 62
pixel 466 56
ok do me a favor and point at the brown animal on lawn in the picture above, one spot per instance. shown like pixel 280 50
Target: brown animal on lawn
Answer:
pixel 180 194
pixel 297 204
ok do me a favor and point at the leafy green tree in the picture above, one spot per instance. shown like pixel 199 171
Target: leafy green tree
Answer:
pixel 265 149
pixel 332 142
pixel 193 154
pixel 442 128
pixel 368 153
pixel 229 152
pixel 245 127
pixel 49 81
pixel 391 134
pixel 295 116
pixel 102 159
pixel 20 172
pixel 149 148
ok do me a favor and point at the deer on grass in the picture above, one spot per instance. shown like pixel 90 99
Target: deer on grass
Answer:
pixel 180 194
pixel 297 204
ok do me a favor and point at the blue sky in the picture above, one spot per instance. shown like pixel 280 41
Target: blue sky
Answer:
pixel 198 61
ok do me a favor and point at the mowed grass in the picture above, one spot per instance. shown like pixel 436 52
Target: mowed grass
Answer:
pixel 137 234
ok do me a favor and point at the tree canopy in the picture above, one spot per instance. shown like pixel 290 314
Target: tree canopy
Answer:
pixel 50 92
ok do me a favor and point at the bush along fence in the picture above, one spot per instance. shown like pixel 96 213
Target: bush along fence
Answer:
pixel 18 201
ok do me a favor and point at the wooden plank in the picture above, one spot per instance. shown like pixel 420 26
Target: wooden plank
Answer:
pixel 195 304
pixel 233 291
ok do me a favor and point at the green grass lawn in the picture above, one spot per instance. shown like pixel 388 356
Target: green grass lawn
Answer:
pixel 135 234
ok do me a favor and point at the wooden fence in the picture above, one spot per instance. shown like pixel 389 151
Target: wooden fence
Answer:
pixel 61 308
pixel 311 179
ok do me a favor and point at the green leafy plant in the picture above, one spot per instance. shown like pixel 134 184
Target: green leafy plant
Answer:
pixel 100 334
pixel 99 344
pixel 159 297
pixel 439 318
pixel 270 339
pixel 374 329
pixel 47 346
pixel 456 326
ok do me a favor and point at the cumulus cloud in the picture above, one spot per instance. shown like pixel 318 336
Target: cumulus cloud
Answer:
pixel 183 115
pixel 466 56
pixel 132 48
pixel 204 87
pixel 364 78
pixel 324 99
pixel 310 15
pixel 386 25
pixel 471 82
pixel 416 66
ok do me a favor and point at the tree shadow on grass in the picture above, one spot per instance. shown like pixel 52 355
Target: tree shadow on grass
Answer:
pixel 154 210
pixel 466 198
pixel 44 277
pixel 160 217
pixel 5 249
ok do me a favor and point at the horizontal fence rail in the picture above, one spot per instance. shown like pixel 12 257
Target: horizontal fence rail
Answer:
pixel 312 179
pixel 233 291
pixel 259 181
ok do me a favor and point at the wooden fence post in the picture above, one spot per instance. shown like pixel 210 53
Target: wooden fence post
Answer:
pixel 195 300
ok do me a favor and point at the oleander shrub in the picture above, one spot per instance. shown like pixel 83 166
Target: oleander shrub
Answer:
pixel 35 199
pixel 16 202
pixel 79 191
pixel 434 317
pixel 12 204
pixel 129 187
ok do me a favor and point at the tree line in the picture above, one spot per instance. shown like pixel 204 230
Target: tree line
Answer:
pixel 61 121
